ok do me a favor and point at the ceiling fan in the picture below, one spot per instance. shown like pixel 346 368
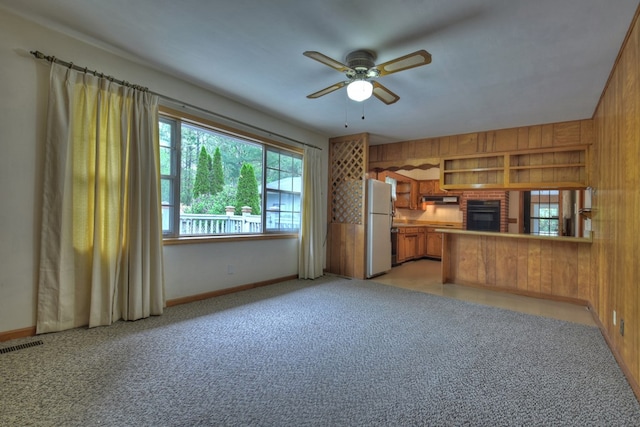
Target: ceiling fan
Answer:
pixel 362 72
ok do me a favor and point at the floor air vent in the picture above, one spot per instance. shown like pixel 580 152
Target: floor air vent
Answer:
pixel 20 347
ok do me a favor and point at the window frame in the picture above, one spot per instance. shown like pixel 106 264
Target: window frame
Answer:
pixel 178 117
pixel 529 219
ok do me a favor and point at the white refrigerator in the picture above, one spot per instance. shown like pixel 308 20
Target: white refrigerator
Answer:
pixel 379 222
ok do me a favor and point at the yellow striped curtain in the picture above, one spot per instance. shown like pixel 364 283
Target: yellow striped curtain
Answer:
pixel 311 245
pixel 101 239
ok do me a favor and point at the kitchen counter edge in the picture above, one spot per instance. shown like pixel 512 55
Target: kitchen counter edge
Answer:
pixel 447 225
pixel 517 236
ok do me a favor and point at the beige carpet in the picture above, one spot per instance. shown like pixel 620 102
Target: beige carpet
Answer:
pixel 329 352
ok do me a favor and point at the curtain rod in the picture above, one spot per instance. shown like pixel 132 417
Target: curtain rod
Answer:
pixel 40 55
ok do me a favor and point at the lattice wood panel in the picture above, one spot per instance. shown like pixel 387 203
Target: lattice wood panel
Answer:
pixel 347 180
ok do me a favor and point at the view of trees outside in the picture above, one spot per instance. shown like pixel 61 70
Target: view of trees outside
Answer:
pixel 217 171
pixel 247 194
pixel 546 220
pixel 542 212
pixel 208 184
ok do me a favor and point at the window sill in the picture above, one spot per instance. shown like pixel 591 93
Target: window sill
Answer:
pixel 188 240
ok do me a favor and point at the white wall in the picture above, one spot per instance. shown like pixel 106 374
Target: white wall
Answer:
pixel 189 269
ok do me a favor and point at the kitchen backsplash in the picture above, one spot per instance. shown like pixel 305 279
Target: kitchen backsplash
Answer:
pixel 439 213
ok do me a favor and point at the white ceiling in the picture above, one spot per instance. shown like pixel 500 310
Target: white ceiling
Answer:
pixel 496 63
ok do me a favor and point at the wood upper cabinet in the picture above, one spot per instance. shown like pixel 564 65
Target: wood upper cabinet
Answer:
pixel 430 187
pixel 427 186
pixel 544 168
pixel 406 189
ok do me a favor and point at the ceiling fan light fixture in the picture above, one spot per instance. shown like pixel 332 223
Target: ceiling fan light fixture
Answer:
pixel 359 90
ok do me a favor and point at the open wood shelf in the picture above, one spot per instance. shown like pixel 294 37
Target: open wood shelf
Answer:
pixel 558 166
pixel 553 168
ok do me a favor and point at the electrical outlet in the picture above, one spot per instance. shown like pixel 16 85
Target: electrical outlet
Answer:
pixel 622 327
pixel 614 318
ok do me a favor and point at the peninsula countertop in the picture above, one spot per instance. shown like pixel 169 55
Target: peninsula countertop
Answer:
pixel 516 235
pixel 431 224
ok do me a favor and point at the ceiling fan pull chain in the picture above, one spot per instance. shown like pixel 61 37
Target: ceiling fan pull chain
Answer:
pixel 363 110
pixel 346 108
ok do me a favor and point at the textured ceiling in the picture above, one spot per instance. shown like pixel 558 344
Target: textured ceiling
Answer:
pixel 496 63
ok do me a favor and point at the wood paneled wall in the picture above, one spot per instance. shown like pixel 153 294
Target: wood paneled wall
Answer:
pixel 616 204
pixel 562 134
pixel 553 268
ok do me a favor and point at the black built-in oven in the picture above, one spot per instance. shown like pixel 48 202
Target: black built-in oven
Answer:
pixel 483 215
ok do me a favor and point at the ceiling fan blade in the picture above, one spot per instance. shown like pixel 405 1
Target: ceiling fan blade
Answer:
pixel 415 59
pixel 326 60
pixel 384 94
pixel 327 90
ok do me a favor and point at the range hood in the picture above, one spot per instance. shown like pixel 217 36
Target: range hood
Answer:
pixel 440 200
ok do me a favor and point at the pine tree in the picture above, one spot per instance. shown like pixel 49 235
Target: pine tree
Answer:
pixel 201 183
pixel 248 190
pixel 217 174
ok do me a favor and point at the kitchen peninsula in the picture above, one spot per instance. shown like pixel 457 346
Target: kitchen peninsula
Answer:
pixel 542 266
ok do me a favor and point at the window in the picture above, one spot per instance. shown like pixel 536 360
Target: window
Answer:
pixel 212 182
pixel 542 212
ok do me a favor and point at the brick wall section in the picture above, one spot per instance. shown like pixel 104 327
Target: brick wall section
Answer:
pixel 503 196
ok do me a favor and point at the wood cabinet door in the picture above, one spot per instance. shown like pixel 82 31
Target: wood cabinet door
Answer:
pixel 414 196
pixel 403 194
pixel 434 245
pixel 401 255
pixel 436 187
pixel 410 246
pixel 425 187
pixel 422 244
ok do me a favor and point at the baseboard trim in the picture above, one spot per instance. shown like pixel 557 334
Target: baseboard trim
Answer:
pixel 513 291
pixel 616 354
pixel 213 294
pixel 31 330
pixel 18 333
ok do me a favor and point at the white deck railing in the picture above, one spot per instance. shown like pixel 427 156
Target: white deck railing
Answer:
pixel 195 224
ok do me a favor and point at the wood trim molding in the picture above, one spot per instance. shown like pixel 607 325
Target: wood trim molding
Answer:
pixel 31 331
pixel 405 164
pixel 220 292
pixel 18 333
pixel 531 294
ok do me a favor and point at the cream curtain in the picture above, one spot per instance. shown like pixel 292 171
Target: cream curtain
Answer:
pixel 101 243
pixel 311 254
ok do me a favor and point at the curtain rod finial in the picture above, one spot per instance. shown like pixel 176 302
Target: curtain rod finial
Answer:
pixel 23 52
